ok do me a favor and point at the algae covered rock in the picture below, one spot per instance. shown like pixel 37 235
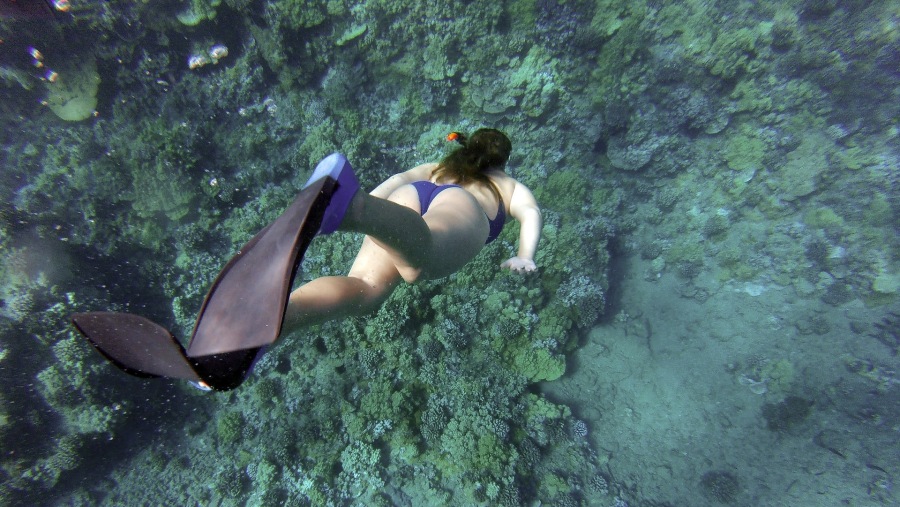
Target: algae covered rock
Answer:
pixel 72 95
pixel 745 151
pixel 800 175
pixel 633 150
pixel 198 11
pixel 886 283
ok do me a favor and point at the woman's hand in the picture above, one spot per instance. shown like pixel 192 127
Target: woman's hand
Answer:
pixel 519 265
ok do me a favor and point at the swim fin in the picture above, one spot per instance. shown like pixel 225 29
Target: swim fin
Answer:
pixel 242 313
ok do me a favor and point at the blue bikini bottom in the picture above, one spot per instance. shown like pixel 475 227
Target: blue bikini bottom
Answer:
pixel 428 191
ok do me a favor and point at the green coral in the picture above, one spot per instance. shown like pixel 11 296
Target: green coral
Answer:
pixel 855 158
pixel 778 375
pixel 471 444
pixel 611 15
pixel 163 190
pixel 522 14
pixel 91 419
pixel 360 468
pixel 878 212
pixel 53 385
pixel 267 391
pixel 437 65
pixel 737 52
pixel 65 456
pixel 229 427
pixel 20 287
pixel 542 417
pixel 264 475
pixel 507 317
pixel 482 97
pixel 823 217
pixel 380 402
pixel 734 266
pixel 568 183
pixel 353 32
pixel 610 77
pixel 528 83
pixel 161 185
pixel 884 378
pixel 67 386
pixel 715 227
pixel 554 486
pixel 745 151
pixel 539 365
pixel 198 11
pixel 687 255
pixel 534 82
pixel 297 15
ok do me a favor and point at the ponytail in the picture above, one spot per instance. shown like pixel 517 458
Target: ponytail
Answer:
pixel 486 149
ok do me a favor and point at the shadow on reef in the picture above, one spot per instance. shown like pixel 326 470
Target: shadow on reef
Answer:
pixel 615 274
pixel 78 417
pixel 787 413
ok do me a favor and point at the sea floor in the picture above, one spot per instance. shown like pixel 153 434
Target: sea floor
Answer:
pixel 694 392
pixel 708 393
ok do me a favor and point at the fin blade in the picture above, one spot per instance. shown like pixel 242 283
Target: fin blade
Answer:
pixel 136 345
pixel 245 306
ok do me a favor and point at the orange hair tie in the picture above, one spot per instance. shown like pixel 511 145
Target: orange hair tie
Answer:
pixel 458 137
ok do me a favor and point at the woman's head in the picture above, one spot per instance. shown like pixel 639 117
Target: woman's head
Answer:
pixel 485 149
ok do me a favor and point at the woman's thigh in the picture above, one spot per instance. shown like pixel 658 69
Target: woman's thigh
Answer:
pixel 375 267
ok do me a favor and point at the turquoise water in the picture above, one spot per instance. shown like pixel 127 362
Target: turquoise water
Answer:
pixel 716 316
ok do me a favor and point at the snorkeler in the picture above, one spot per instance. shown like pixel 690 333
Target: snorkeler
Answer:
pixel 425 223
pixel 463 202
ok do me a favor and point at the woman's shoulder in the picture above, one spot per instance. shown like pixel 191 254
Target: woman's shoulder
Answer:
pixel 427 166
pixel 422 171
pixel 505 183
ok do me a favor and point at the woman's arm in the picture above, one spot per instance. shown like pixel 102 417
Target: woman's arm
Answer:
pixel 418 173
pixel 523 207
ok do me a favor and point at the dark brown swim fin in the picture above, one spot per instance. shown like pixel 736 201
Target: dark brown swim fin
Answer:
pixel 246 304
pixel 135 344
pixel 242 313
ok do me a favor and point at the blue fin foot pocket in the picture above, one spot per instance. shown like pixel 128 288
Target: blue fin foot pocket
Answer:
pixel 337 167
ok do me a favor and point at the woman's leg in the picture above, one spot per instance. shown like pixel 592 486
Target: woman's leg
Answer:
pixel 370 281
pixel 399 243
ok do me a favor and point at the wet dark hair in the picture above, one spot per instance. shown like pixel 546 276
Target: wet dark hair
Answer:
pixel 484 149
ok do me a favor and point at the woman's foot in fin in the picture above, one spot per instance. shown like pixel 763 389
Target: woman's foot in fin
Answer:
pixel 338 168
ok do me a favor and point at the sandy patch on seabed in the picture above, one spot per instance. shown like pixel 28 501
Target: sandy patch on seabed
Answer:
pixel 662 395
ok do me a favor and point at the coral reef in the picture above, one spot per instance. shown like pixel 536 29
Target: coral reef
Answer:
pixel 736 140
